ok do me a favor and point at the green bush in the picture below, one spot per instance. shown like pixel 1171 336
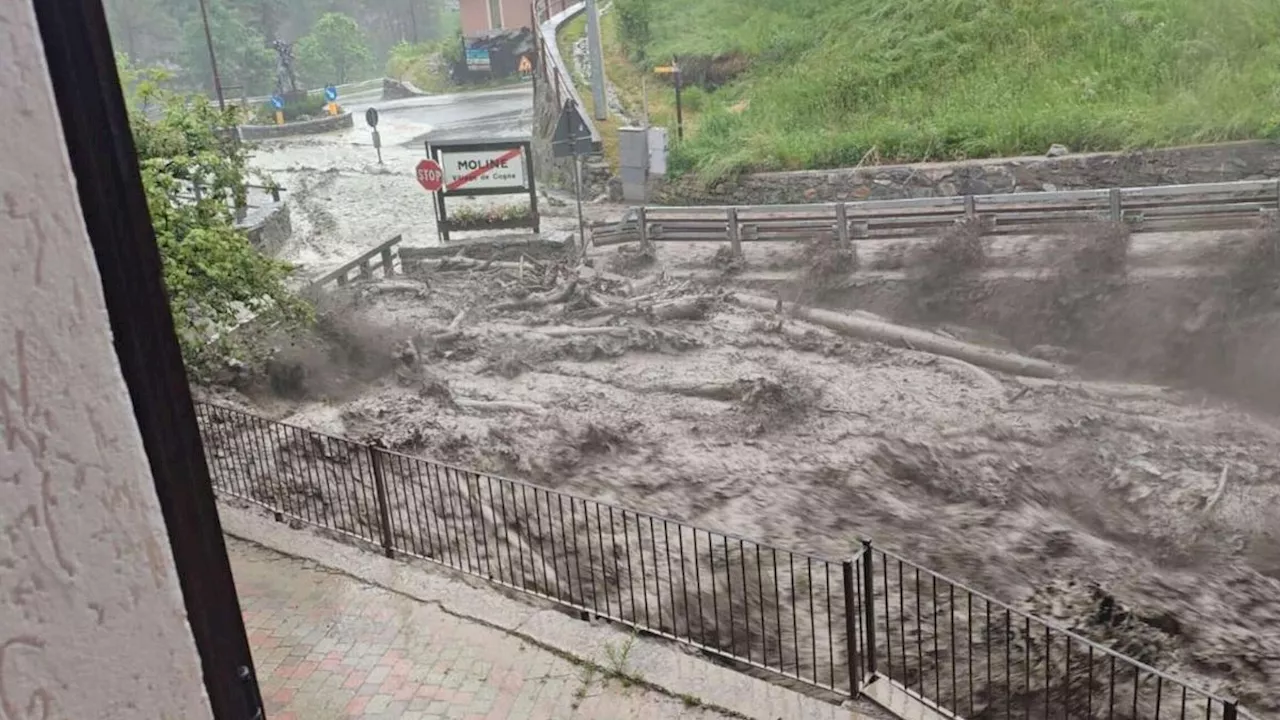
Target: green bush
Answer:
pixel 634 27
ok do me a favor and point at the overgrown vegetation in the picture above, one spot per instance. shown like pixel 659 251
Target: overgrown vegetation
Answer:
pixel 214 276
pixel 335 41
pixel 825 83
pixel 336 51
pixel 426 65
pixel 480 215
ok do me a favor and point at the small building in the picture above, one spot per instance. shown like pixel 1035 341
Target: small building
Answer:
pixel 496 35
pixel 481 17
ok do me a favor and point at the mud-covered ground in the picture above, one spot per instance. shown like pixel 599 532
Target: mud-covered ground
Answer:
pixel 1140 515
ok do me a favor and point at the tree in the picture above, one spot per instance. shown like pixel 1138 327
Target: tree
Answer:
pixel 243 56
pixel 335 51
pixel 214 275
pixel 144 29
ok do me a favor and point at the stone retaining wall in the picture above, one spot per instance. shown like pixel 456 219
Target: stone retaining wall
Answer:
pixel 400 89
pixel 1198 164
pixel 252 133
pixel 268 235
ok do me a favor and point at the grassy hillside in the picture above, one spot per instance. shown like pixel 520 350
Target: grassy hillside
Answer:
pixel 825 83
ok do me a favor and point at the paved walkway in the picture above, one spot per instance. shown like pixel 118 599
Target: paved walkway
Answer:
pixel 328 646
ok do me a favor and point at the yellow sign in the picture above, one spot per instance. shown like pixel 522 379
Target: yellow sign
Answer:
pixel 666 69
pixel 279 117
pixel 526 66
pixel 333 108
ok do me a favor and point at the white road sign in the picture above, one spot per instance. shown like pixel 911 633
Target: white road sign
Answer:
pixel 483 169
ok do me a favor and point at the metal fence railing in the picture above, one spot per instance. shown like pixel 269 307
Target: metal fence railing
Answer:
pixel 854 627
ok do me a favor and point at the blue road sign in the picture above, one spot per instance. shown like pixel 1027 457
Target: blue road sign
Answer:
pixel 331 93
pixel 277 101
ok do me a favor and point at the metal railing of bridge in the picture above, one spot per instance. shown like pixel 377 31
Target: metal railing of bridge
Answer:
pixel 1214 206
pixel 871 625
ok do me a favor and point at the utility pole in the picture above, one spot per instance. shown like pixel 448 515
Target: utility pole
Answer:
pixel 213 59
pixel 597 61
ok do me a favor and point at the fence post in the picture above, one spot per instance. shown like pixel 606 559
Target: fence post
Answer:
pixel 842 223
pixel 851 629
pixel 1117 212
pixel 380 493
pixel 1230 710
pixel 275 193
pixel 735 241
pixel 643 222
pixel 869 606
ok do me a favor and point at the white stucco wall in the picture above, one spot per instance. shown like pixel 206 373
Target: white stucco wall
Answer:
pixel 92 623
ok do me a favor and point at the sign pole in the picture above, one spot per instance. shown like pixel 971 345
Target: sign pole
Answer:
pixel 679 107
pixel 577 191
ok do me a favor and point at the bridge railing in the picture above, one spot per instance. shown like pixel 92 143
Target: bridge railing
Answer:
pixel 1217 206
pixel 384 258
pixel 872 625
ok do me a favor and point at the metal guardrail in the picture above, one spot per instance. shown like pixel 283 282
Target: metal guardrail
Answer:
pixel 1218 206
pixel 549 15
pixel 874 625
pixel 197 194
pixel 387 254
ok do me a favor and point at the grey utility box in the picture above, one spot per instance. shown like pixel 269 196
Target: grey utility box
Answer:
pixel 633 162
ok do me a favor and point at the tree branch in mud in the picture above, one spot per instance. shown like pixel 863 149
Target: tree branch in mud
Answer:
pixel 499 406
pixel 534 301
pixel 911 338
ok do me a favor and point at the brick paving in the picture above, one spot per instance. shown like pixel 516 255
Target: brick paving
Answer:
pixel 330 647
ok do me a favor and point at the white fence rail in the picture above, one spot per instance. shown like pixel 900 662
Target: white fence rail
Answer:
pixel 1217 206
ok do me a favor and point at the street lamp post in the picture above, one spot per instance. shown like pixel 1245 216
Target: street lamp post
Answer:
pixel 213 59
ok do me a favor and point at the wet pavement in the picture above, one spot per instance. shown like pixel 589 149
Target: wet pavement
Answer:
pixel 343 201
pixel 329 646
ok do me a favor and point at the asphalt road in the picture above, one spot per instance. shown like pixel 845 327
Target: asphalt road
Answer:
pixel 343 201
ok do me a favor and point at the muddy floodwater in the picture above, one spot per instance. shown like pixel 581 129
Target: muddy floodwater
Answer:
pixel 1057 495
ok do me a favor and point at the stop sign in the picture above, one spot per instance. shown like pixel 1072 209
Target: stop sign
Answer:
pixel 430 176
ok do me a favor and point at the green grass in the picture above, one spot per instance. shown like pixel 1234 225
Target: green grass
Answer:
pixel 834 82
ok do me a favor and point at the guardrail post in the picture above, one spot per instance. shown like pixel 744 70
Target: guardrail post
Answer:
pixel 643 224
pixel 970 207
pixel 1117 211
pixel 842 223
pixel 380 493
pixel 1230 710
pixel 735 241
pixel 869 605
pixel 275 193
pixel 851 628
pixel 366 272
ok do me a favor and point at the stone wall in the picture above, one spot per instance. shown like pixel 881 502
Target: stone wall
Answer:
pixel 555 172
pixel 1198 164
pixel 269 233
pixel 400 89
pixel 252 133
pixel 92 618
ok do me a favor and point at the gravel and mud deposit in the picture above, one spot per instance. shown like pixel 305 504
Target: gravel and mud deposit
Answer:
pixel 1079 498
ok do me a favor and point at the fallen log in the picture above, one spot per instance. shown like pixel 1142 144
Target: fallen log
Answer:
pixel 533 301
pixel 687 308
pixel 463 263
pixel 911 338
pixel 561 332
pixel 499 406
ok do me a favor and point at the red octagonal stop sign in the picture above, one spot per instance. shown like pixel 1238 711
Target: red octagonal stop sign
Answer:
pixel 430 176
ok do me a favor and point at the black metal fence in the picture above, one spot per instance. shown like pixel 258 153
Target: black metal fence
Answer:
pixel 853 627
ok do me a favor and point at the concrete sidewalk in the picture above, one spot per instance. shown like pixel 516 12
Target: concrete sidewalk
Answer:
pixel 395 599
pixel 327 646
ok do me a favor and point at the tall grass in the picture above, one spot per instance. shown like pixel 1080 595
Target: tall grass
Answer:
pixel 833 80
